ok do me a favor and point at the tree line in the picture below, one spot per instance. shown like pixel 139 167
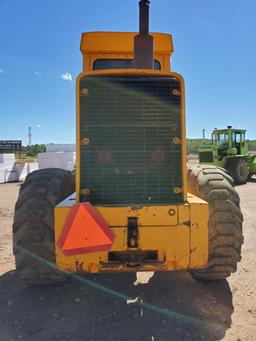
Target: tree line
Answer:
pixel 31 151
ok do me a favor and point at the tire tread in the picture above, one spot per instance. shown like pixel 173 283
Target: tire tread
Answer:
pixel 33 226
pixel 215 186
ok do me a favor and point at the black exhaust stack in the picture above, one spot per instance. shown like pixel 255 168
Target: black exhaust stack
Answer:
pixel 143 42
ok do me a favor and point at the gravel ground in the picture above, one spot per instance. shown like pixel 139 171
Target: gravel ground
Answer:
pixel 94 307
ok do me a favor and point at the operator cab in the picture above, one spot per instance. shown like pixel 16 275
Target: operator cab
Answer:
pixel 220 138
pixel 229 138
pixel 238 140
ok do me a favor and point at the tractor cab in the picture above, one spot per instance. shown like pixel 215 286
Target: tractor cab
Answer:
pixel 226 143
pixel 231 140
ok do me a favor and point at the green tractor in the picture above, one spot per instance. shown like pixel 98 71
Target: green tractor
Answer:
pixel 229 150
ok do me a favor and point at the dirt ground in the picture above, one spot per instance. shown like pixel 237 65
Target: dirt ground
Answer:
pixel 94 307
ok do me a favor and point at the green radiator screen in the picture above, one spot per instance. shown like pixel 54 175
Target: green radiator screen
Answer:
pixel 128 125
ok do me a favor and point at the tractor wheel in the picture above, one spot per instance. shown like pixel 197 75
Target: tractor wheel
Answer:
pixel 239 171
pixel 216 187
pixel 33 227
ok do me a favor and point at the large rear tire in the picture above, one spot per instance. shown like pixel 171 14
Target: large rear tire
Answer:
pixel 216 187
pixel 33 227
pixel 239 171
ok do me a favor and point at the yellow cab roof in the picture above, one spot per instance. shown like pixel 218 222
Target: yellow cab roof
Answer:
pixel 122 42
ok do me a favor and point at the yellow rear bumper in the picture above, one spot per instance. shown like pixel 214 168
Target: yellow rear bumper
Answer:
pixel 176 236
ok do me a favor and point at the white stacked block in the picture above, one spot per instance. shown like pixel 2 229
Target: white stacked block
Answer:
pixel 32 166
pixel 10 171
pixel 7 159
pixel 8 175
pixel 11 176
pixel 2 177
pixel 7 168
pixel 64 160
pixel 54 148
pixel 71 166
pixel 49 160
pixel 24 169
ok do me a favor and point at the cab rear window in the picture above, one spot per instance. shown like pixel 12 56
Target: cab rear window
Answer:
pixel 102 64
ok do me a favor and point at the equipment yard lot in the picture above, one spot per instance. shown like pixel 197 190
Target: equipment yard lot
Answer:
pixel 176 307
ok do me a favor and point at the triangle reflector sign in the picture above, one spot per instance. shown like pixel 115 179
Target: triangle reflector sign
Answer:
pixel 85 231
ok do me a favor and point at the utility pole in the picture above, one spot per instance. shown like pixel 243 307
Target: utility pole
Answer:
pixel 29 136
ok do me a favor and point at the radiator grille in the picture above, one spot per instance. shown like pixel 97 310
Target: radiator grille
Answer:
pixel 128 125
pixel 205 157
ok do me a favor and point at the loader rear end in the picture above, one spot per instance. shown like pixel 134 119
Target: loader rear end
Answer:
pixel 130 209
pixel 131 164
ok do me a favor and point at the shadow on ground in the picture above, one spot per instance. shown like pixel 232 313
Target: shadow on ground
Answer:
pixel 176 308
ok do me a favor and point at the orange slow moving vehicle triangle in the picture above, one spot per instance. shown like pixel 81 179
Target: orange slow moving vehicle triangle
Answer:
pixel 85 231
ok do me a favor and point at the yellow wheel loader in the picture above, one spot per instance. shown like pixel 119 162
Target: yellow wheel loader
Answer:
pixel 132 205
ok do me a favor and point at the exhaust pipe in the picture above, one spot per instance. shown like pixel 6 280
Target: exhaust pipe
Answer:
pixel 143 42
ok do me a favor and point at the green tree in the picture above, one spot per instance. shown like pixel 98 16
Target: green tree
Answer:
pixel 34 149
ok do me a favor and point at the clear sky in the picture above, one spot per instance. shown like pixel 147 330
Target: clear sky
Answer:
pixel 215 50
